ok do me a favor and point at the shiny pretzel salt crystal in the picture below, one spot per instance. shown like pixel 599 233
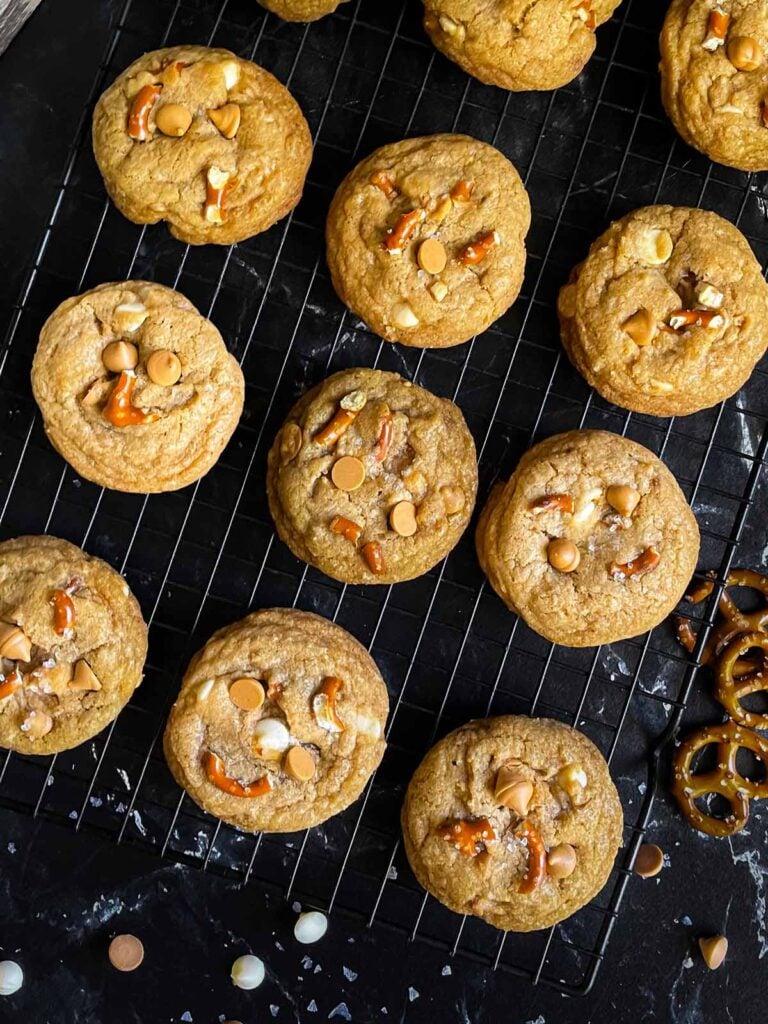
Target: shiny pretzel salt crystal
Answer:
pixel 11 977
pixel 247 972
pixel 310 927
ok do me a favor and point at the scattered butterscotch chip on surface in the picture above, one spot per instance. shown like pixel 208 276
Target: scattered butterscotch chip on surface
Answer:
pixel 299 764
pixel 649 860
pixel 164 368
pixel 714 950
pixel 247 694
pixel 120 355
pixel 348 473
pixel 431 256
pixel 126 952
pixel 402 519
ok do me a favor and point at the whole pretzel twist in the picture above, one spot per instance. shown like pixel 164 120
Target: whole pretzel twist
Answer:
pixel 725 779
pixel 732 685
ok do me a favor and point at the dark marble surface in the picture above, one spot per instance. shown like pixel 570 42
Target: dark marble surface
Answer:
pixel 63 895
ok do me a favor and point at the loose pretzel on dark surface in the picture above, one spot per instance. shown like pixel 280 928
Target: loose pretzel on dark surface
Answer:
pixel 731 686
pixel 734 620
pixel 724 780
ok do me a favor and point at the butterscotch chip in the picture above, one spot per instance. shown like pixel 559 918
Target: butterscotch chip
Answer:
pixel 713 950
pixel 392 292
pixel 625 275
pixel 409 442
pixel 561 861
pixel 402 519
pixel 431 256
pixel 14 643
pixel 571 608
pixel 217 111
pixel 299 764
pixel 624 499
pixel 190 423
pixel 164 368
pixel 120 355
pixel 714 98
pixel 454 784
pixel 563 555
pixel 520 46
pixel 125 952
pixel 649 860
pixel 348 473
pixel 247 694
pixel 300 654
pixel 71 686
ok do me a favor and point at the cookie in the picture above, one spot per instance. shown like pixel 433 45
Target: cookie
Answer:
pixel 668 314
pixel 514 820
pixel 713 70
pixel 426 239
pixel 279 723
pixel 204 140
pixel 517 44
pixel 372 479
pixel 301 10
pixel 590 540
pixel 72 645
pixel 136 388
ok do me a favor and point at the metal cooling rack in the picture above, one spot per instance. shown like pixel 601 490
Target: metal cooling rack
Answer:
pixel 202 557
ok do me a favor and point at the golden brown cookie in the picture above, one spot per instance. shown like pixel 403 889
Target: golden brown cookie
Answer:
pixel 668 314
pixel 426 239
pixel 713 78
pixel 301 10
pixel 279 723
pixel 513 819
pixel 517 44
pixel 371 478
pixel 590 540
pixel 204 140
pixel 72 645
pixel 136 388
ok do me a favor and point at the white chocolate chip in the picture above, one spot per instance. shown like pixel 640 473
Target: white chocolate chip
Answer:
pixel 452 28
pixel 11 977
pixel 585 506
pixel 231 71
pixel 204 690
pixel 367 726
pixel 217 178
pixel 354 401
pixel 709 296
pixel 437 290
pixel 310 927
pixel 403 316
pixel 661 386
pixel 271 738
pixel 129 316
pixel 247 972
pixel 655 247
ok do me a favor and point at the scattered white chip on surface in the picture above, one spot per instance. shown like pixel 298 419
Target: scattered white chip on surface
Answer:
pixel 11 977
pixel 310 927
pixel 247 972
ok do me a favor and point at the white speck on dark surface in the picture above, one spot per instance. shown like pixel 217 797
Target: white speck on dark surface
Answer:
pixel 446 971
pixel 124 776
pixel 11 847
pixel 186 1016
pixel 311 1006
pixel 539 1020
pixel 138 822
pixel 413 994
pixel 274 1010
pixel 342 1010
pixel 686 921
pixel 758 874
pixel 392 873
pixel 306 963
pixel 317 969
pixel 73 815
pixel 296 907
pixel 688 963
pixel 280 946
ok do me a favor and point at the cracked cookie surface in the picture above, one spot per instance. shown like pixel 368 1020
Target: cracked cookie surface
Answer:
pixel 290 655
pixel 301 10
pixel 412 482
pixel 633 562
pixel 668 314
pixel 517 44
pixel 188 423
pixel 572 804
pixel 236 157
pixel 713 84
pixel 462 197
pixel 69 677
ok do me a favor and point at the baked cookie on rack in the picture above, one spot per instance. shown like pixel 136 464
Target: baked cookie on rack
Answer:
pixel 512 819
pixel 713 74
pixel 202 139
pixel 136 388
pixel 426 239
pixel 301 10
pixel 279 723
pixel 517 44
pixel 72 645
pixel 590 540
pixel 668 314
pixel 372 479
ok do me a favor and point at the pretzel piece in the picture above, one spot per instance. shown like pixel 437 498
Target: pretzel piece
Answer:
pixel 734 620
pixel 724 780
pixel 731 686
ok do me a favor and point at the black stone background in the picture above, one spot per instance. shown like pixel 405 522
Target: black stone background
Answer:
pixel 63 895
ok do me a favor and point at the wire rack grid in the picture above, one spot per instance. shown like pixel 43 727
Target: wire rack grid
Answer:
pixel 202 557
